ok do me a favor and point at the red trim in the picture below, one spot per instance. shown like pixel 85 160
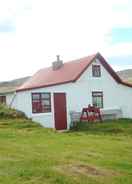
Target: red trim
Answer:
pixel 43 86
pixel 103 62
pixel 126 84
pixel 38 105
pixel 108 68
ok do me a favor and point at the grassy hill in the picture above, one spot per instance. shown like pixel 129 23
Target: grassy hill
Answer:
pixel 12 85
pixel 126 75
pixel 92 154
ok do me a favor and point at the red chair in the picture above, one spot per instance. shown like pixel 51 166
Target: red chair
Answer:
pixel 91 113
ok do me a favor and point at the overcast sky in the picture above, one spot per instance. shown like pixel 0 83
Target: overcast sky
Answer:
pixel 33 32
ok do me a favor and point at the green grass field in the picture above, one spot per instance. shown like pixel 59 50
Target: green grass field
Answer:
pixel 98 153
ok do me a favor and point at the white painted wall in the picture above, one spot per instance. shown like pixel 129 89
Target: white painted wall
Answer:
pixel 9 97
pixel 79 95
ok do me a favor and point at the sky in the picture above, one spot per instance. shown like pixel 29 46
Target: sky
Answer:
pixel 33 32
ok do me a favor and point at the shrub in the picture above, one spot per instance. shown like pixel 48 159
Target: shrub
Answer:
pixel 7 112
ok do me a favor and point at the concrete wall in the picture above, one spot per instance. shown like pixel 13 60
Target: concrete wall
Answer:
pixel 79 95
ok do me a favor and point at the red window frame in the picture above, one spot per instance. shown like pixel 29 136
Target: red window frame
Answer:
pixel 39 103
pixel 96 94
pixel 96 70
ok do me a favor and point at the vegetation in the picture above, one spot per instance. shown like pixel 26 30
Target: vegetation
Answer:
pixel 98 153
pixel 12 85
pixel 121 126
pixel 6 112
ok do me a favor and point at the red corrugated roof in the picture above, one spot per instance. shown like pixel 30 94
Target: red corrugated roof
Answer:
pixel 69 72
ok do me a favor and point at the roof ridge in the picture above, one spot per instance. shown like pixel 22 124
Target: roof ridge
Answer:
pixel 81 58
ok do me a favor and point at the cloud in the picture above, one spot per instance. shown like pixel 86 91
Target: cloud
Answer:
pixel 119 35
pixel 7 26
pixel 12 10
pixel 44 28
pixel 118 49
pixel 121 62
pixel 121 13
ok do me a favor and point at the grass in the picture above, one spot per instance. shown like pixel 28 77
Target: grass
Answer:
pixel 98 153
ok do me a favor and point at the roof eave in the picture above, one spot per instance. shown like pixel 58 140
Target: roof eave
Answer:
pixel 44 86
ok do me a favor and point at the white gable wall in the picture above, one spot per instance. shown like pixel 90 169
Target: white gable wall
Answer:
pixel 115 95
pixel 79 95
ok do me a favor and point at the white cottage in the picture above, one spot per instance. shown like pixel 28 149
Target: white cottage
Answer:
pixel 54 93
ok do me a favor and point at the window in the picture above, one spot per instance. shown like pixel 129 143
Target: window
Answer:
pixel 97 98
pixel 3 99
pixel 96 69
pixel 41 102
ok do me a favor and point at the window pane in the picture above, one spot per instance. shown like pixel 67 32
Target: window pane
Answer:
pixel 96 70
pixel 41 102
pixel 45 95
pixel 97 93
pixel 46 108
pixel 97 99
pixel 45 102
pixel 36 100
pixel 36 96
pixel 94 102
pixel 36 107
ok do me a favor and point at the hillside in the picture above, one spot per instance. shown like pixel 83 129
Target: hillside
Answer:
pixel 12 85
pixel 126 75
pixel 94 153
